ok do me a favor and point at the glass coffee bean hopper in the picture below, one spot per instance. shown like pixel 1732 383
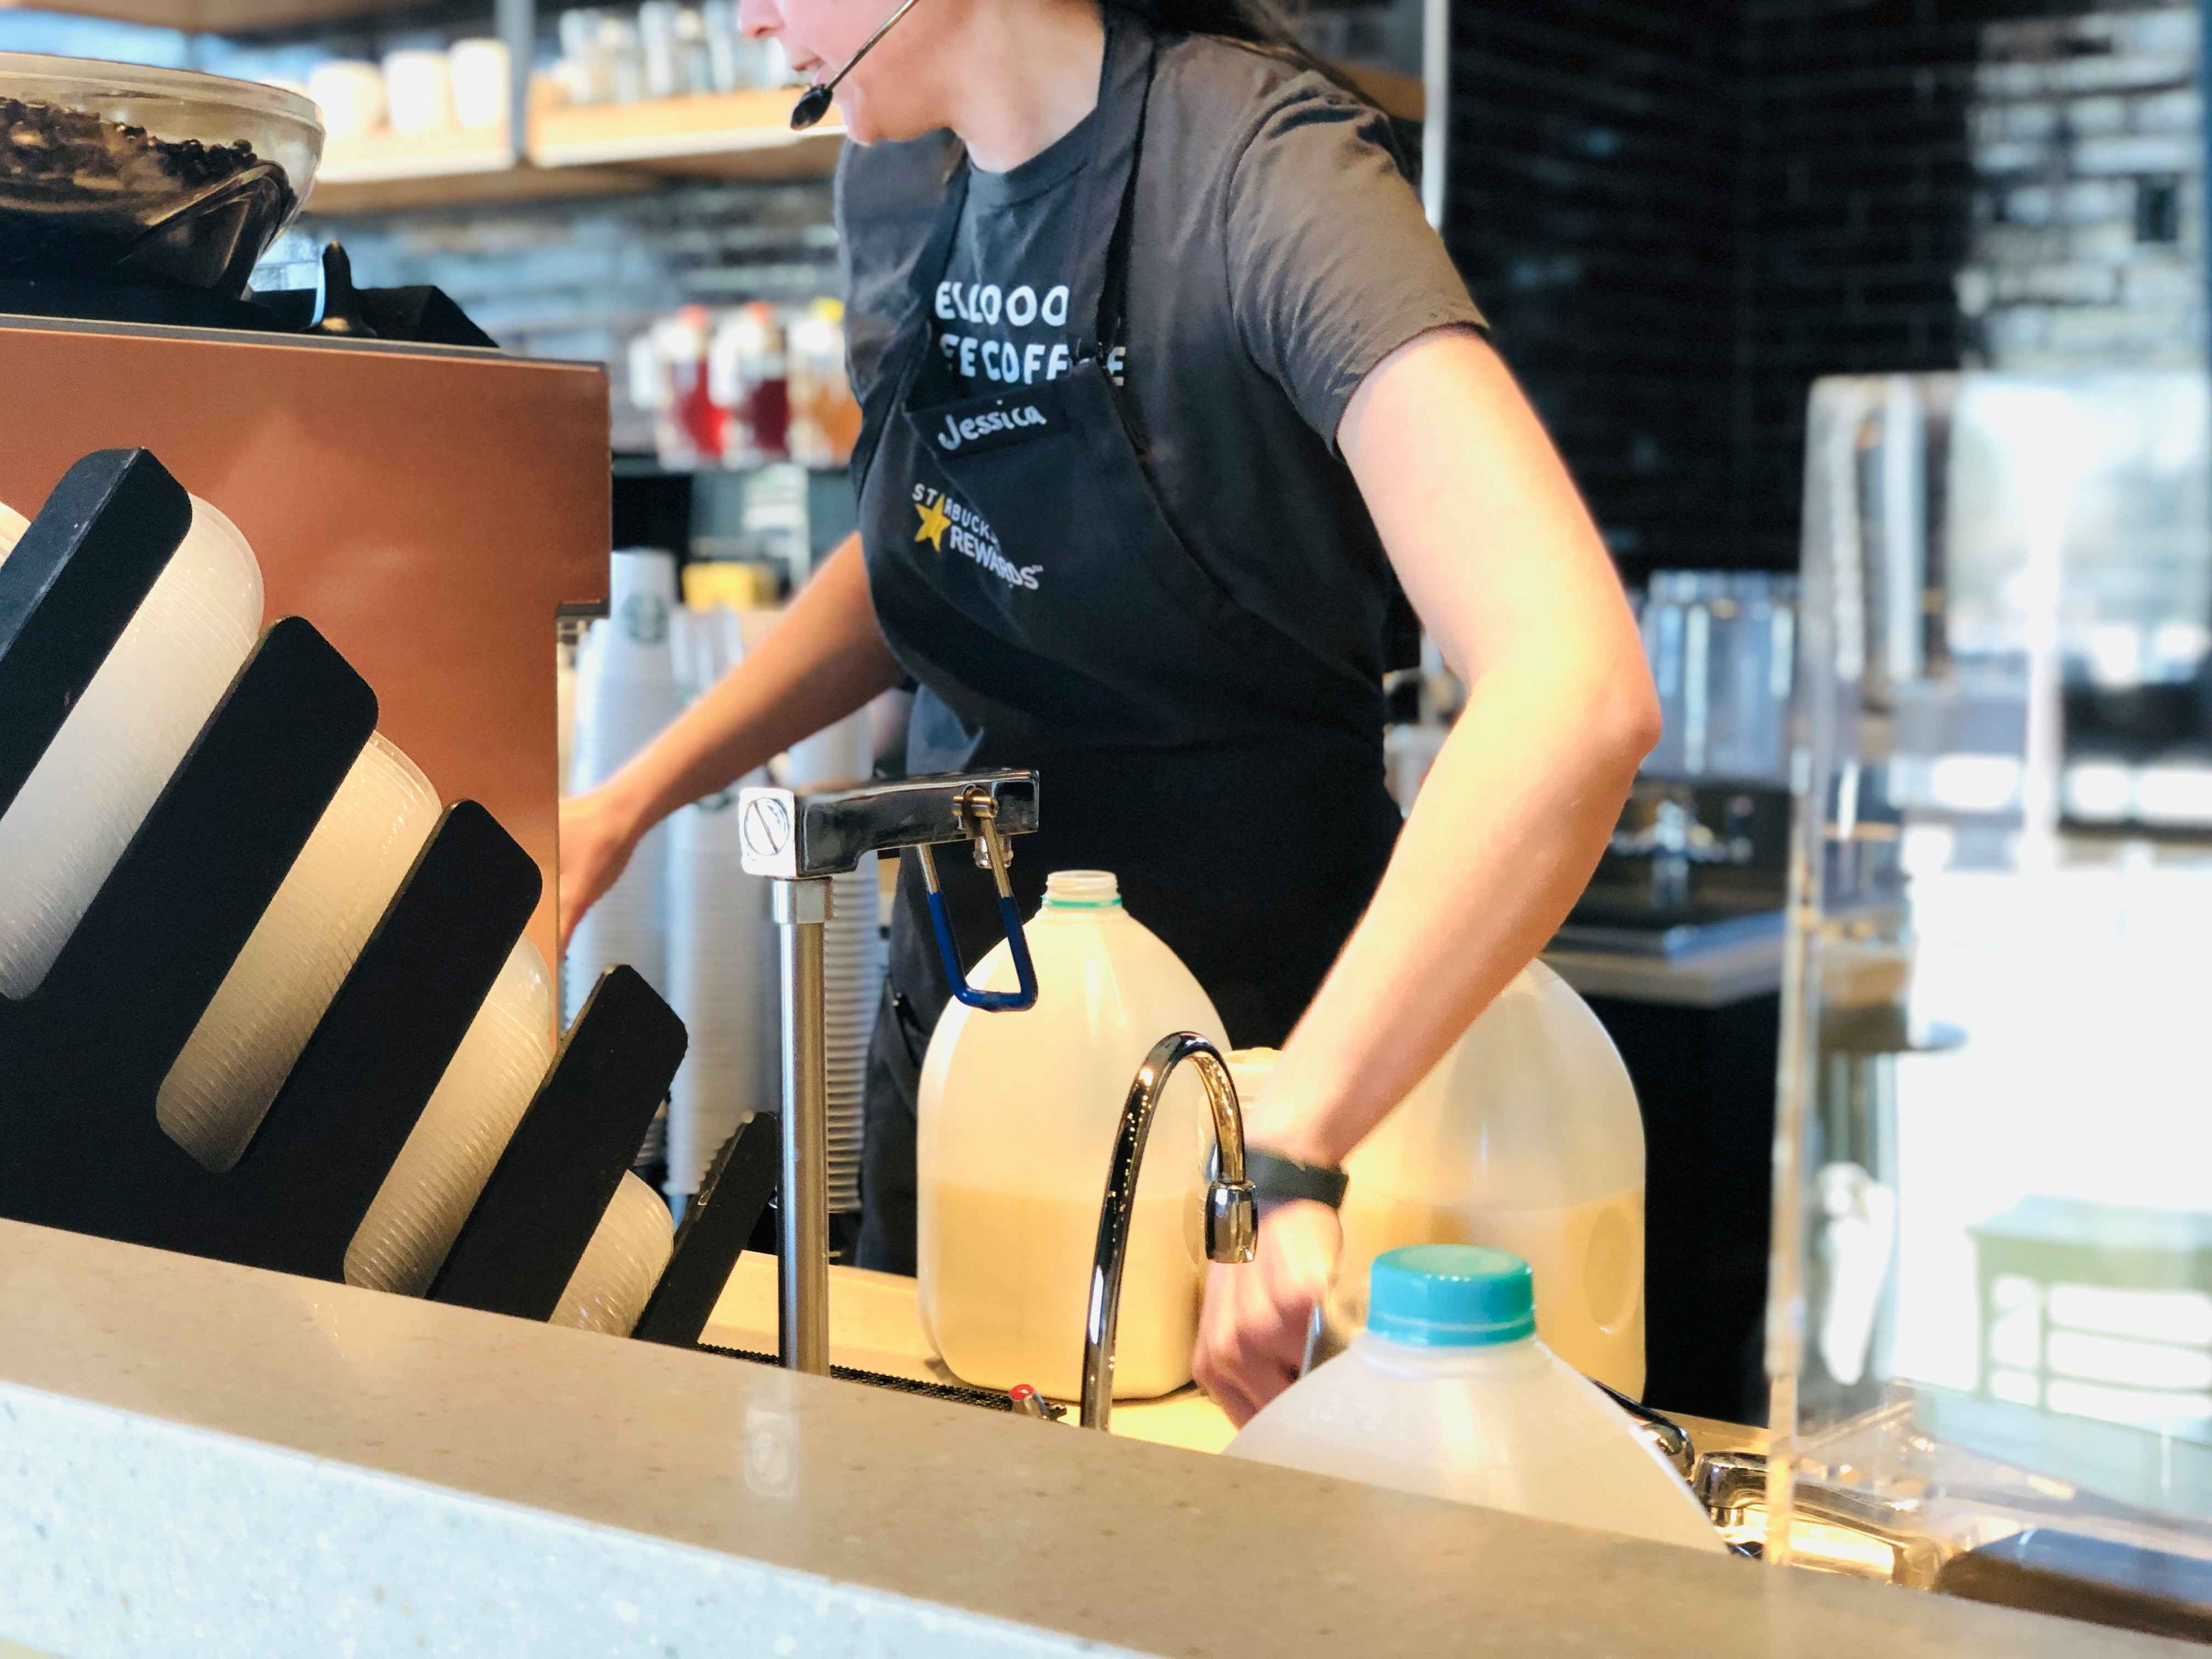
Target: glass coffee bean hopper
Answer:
pixel 111 174
pixel 1990 1325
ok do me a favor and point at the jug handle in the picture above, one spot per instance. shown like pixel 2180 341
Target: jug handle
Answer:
pixel 1010 918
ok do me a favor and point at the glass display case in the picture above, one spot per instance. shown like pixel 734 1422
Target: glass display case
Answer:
pixel 1991 1327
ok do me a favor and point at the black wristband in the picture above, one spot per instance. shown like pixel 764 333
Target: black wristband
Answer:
pixel 1277 1180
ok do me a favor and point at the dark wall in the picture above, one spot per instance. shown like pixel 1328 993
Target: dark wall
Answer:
pixel 1680 216
pixel 1858 183
pixel 1592 204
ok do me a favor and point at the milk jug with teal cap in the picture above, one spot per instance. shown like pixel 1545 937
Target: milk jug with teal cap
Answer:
pixel 1449 1393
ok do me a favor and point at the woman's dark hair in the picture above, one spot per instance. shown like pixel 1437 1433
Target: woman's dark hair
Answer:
pixel 1254 23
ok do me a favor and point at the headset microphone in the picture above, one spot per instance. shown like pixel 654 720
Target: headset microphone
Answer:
pixel 815 104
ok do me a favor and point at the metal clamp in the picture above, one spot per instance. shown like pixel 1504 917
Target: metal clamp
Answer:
pixel 978 810
pixel 799 840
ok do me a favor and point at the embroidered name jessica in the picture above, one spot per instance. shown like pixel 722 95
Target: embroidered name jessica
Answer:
pixel 974 428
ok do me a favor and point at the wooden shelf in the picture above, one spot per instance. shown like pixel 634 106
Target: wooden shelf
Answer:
pixel 612 150
pixel 351 199
pixel 219 17
pixel 608 149
pixel 385 156
pixel 387 172
pixel 728 134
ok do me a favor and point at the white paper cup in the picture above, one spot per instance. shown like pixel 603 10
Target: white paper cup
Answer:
pixel 249 1038
pixel 482 81
pixel 441 1172
pixel 418 91
pixel 622 1264
pixel 349 94
pixel 92 789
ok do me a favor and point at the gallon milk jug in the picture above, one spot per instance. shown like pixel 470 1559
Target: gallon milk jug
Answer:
pixel 1525 1137
pixel 1449 1393
pixel 1017 1119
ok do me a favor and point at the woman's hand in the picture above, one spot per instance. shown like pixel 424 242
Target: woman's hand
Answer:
pixel 598 833
pixel 825 659
pixel 1252 1331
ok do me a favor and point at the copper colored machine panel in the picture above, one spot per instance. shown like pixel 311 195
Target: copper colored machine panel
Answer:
pixel 431 510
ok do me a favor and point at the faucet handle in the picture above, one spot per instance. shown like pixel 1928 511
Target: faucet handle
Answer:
pixel 1232 1221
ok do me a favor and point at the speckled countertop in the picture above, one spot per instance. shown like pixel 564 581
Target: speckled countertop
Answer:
pixel 197 1458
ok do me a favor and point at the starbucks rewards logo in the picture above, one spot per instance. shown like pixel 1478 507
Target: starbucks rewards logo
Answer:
pixel 944 520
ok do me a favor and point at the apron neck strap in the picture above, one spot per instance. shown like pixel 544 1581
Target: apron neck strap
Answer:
pixel 1109 181
pixel 1107 190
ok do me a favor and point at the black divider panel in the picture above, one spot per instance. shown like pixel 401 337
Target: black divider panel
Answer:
pixel 715 1229
pixel 188 891
pixel 83 1059
pixel 69 588
pixel 522 1240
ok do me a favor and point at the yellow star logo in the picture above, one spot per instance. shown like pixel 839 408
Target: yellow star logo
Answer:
pixel 934 523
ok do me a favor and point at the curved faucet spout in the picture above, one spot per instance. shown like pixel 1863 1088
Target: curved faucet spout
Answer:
pixel 1233 1223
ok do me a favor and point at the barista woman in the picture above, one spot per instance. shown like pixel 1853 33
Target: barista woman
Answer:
pixel 1169 376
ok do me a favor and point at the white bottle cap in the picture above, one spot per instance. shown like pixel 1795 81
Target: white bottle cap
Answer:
pixel 1082 889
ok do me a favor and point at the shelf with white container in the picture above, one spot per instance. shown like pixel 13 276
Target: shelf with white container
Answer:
pixel 577 150
pixel 741 135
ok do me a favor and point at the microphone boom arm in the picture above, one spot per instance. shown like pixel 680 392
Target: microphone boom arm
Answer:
pixel 815 103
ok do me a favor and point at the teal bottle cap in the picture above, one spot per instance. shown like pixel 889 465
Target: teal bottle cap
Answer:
pixel 1451 1295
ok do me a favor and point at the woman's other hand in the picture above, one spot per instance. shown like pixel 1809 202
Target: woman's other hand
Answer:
pixel 1252 1331
pixel 599 834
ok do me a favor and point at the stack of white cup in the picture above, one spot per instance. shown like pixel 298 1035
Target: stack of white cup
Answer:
pixel 91 790
pixel 853 984
pixel 621 1265
pixel 440 1172
pixel 626 694
pixel 721 968
pixel 852 955
pixel 281 984
pixel 721 947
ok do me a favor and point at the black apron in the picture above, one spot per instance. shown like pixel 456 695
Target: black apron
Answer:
pixel 1026 573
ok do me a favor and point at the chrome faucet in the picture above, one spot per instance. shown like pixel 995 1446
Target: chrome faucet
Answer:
pixel 1232 1219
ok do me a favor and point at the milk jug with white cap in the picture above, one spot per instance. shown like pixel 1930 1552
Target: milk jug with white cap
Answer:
pixel 1450 1394
pixel 1525 1137
pixel 1016 1116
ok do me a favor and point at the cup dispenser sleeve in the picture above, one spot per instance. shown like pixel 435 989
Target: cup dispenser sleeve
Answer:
pixel 83 1056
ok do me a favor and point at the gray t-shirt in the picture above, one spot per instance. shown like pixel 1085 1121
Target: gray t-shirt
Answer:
pixel 1278 256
